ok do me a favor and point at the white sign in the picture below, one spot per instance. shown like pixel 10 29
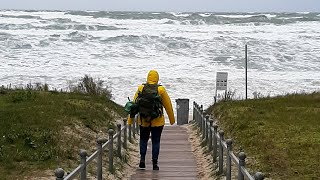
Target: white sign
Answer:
pixel 222 81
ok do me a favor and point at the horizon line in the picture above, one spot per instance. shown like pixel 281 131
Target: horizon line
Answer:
pixel 159 11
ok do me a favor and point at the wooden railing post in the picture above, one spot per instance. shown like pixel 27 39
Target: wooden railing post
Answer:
pixel 259 176
pixel 221 134
pixel 134 128
pixel 83 161
pixel 125 135
pixel 203 117
pixel 59 173
pixel 198 117
pixel 242 162
pixel 206 128
pixel 119 140
pixel 130 133
pixel 210 135
pixel 193 112
pixel 215 147
pixel 197 114
pixel 110 150
pixel 100 141
pixel 229 147
pixel 137 124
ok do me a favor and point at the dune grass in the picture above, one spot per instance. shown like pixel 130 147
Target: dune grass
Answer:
pixel 34 128
pixel 280 135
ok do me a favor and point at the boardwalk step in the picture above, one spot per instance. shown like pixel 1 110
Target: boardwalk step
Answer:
pixel 176 160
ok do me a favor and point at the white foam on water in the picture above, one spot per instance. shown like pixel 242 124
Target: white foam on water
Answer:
pixel 237 16
pixel 205 14
pixel 282 58
pixel 269 15
pixel 303 12
pixel 179 14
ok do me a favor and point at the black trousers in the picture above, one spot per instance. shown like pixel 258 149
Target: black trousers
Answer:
pixel 155 139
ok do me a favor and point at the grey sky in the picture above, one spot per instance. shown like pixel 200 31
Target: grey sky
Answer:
pixel 167 5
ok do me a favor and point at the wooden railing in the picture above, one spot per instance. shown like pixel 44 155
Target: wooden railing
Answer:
pixel 102 144
pixel 216 144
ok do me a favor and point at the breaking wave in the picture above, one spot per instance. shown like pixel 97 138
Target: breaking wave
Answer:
pixel 207 18
pixel 59 26
pixel 121 46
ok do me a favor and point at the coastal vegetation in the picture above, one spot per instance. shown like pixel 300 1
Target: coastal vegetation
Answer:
pixel 42 129
pixel 280 135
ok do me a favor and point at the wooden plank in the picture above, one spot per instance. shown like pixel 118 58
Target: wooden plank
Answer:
pixel 158 174
pixel 176 160
pixel 175 168
pixel 167 178
pixel 178 155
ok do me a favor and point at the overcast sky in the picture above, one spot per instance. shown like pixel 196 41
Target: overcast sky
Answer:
pixel 167 5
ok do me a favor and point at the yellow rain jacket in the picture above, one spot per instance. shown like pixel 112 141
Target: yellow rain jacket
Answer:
pixel 153 78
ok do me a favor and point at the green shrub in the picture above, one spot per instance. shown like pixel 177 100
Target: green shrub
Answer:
pixel 88 85
pixel 3 90
pixel 20 96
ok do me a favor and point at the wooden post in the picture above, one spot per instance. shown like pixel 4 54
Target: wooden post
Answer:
pixel 210 135
pixel 221 133
pixel 83 161
pixel 193 112
pixel 137 124
pixel 119 140
pixel 134 128
pixel 242 162
pixel 100 141
pixel 130 133
pixel 214 152
pixel 111 150
pixel 203 118
pixel 259 176
pixel 125 136
pixel 229 147
pixel 59 173
pixel 197 114
pixel 207 128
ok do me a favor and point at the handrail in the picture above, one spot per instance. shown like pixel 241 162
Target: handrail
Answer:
pixel 102 144
pixel 224 145
pixel 234 158
pixel 246 173
pixel 214 139
pixel 74 173
pixel 92 157
pixel 105 144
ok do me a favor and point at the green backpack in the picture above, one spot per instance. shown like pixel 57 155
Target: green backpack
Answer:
pixel 149 102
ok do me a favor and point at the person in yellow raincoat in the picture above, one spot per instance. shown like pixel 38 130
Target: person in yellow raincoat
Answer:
pixel 155 126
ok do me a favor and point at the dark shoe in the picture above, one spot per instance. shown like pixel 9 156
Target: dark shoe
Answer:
pixel 155 165
pixel 142 165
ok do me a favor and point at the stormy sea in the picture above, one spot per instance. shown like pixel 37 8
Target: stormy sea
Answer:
pixel 187 49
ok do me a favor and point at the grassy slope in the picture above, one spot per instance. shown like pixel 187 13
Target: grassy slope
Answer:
pixel 38 130
pixel 281 134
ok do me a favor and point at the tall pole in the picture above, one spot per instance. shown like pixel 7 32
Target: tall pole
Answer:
pixel 246 55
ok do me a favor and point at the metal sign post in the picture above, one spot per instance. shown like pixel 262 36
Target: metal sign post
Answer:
pixel 222 82
pixel 246 66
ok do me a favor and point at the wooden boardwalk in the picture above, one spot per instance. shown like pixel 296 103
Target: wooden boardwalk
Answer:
pixel 176 160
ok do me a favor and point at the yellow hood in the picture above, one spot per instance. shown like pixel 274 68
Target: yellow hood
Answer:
pixel 153 77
